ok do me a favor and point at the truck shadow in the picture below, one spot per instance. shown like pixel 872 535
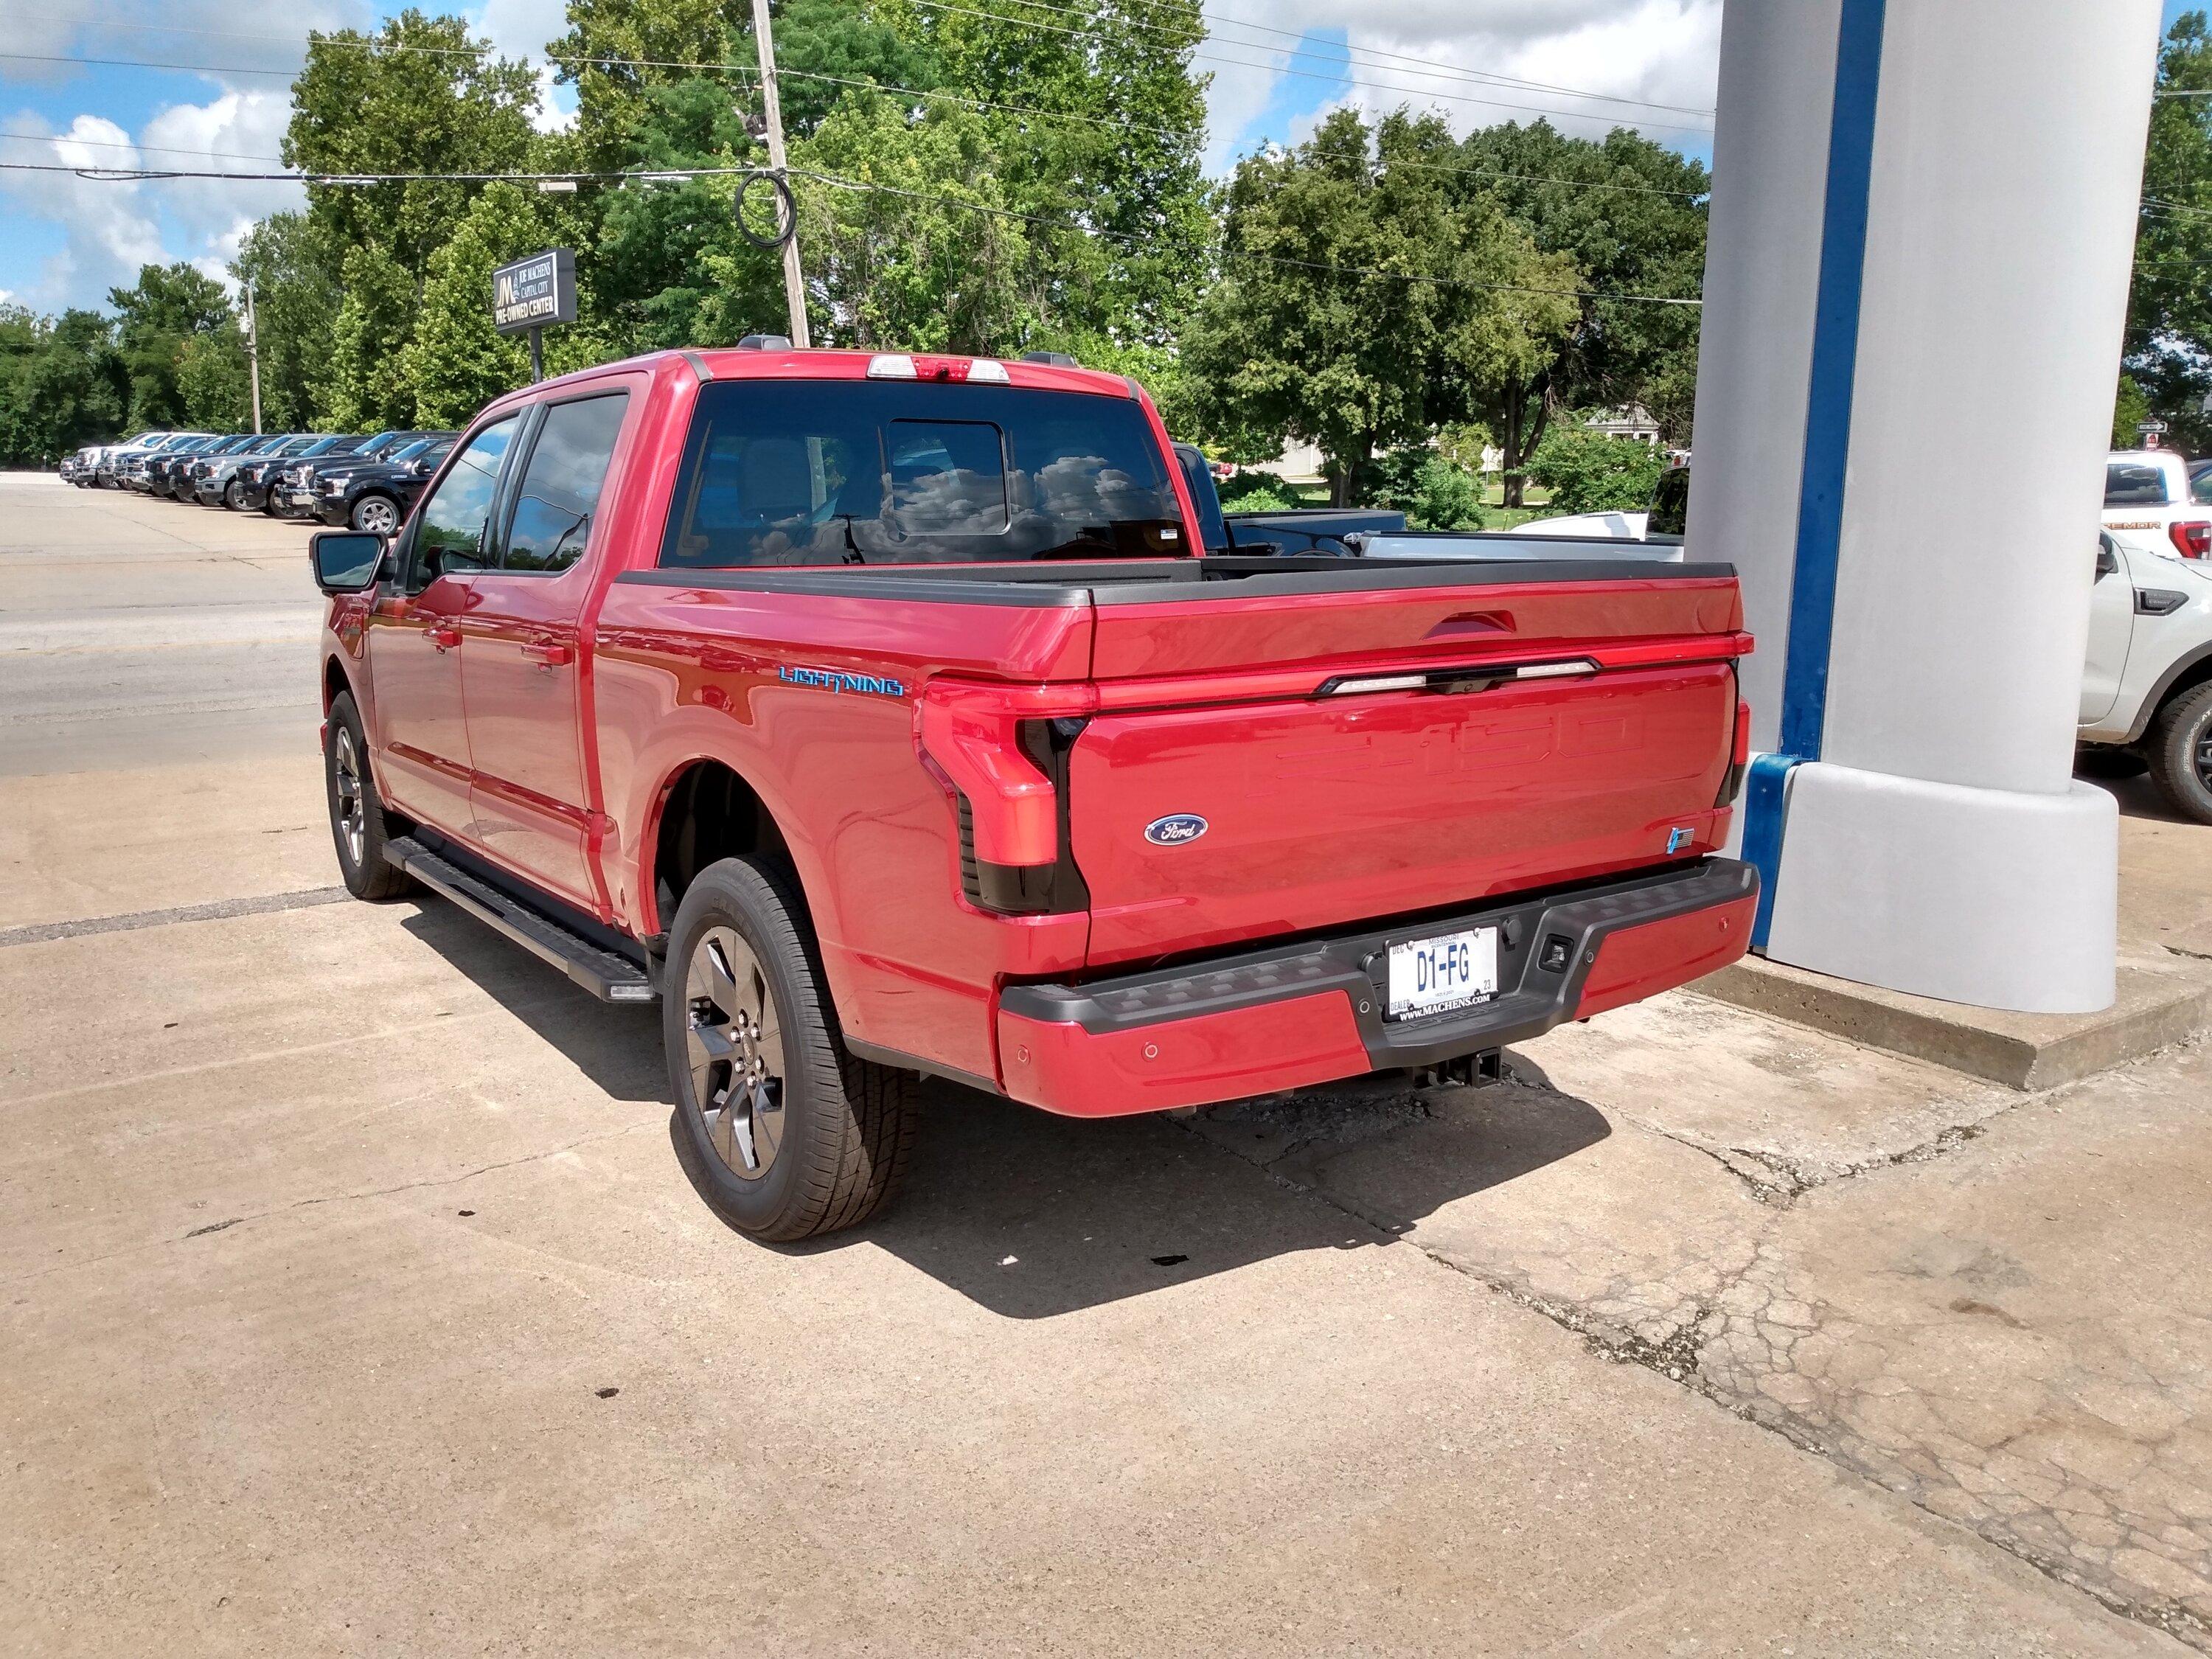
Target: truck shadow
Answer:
pixel 618 1048
pixel 1031 1216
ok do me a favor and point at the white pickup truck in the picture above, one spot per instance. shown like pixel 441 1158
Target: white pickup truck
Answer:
pixel 2152 504
pixel 2147 686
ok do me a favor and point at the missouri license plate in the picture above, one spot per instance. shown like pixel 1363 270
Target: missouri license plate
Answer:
pixel 1434 975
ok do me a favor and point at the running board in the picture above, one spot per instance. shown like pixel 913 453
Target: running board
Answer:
pixel 607 975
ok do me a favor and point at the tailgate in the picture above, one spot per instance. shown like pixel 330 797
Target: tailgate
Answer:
pixel 1265 763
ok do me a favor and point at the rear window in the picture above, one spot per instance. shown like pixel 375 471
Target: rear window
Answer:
pixel 2132 484
pixel 866 472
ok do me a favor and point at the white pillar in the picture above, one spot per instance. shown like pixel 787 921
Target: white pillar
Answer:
pixel 1922 227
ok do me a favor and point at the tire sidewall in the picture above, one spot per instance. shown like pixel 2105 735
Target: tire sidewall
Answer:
pixel 2184 787
pixel 344 715
pixel 353 517
pixel 733 894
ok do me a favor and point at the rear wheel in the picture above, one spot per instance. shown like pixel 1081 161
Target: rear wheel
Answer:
pixel 783 1130
pixel 2179 749
pixel 359 829
pixel 378 515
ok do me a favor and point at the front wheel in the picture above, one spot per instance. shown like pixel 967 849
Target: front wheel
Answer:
pixel 2179 749
pixel 377 515
pixel 782 1129
pixel 232 498
pixel 359 829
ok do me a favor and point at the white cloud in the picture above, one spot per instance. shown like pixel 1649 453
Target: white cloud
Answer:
pixel 1473 62
pixel 107 232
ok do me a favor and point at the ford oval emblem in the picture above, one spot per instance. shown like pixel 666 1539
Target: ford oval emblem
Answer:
pixel 1175 829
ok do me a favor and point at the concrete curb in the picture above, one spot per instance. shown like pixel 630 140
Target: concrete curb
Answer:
pixel 2153 1011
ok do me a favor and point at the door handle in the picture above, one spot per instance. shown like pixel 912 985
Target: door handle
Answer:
pixel 554 655
pixel 444 638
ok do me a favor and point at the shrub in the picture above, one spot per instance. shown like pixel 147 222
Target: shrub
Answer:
pixel 1432 492
pixel 1255 492
pixel 1589 472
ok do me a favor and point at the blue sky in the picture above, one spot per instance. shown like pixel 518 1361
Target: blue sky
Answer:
pixel 1277 65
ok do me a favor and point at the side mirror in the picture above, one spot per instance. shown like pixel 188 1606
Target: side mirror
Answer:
pixel 346 560
pixel 2108 563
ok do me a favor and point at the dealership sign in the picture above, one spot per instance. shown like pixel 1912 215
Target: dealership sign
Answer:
pixel 534 292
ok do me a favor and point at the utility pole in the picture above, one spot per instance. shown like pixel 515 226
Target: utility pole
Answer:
pixel 794 284
pixel 253 355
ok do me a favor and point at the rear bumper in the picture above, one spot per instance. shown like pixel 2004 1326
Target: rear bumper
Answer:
pixel 1293 1015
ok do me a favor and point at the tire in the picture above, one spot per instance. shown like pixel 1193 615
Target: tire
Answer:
pixel 231 497
pixel 375 513
pixel 2108 761
pixel 358 827
pixel 2178 747
pixel 823 1141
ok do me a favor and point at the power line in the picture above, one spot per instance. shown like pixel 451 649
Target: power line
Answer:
pixel 1417 66
pixel 1482 77
pixel 1310 75
pixel 158 149
pixel 981 103
pixel 686 174
pixel 1425 277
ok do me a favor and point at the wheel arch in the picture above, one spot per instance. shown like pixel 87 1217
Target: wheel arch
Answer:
pixel 704 810
pixel 2184 677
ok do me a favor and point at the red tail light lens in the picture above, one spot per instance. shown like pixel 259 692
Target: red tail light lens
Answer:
pixel 2192 538
pixel 973 732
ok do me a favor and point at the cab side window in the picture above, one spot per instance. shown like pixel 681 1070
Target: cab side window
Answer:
pixel 561 484
pixel 453 521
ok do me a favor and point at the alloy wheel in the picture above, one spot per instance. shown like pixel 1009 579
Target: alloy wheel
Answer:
pixel 735 1044
pixel 375 515
pixel 352 807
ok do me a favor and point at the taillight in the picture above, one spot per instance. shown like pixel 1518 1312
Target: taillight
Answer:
pixel 1003 747
pixel 1739 756
pixel 2191 537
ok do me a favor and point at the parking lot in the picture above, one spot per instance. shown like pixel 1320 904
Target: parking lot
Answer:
pixel 355 1300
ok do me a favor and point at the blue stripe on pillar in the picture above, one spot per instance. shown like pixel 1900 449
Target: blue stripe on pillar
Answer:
pixel 1827 437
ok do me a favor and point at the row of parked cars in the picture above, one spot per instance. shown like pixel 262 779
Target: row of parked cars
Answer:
pixel 360 482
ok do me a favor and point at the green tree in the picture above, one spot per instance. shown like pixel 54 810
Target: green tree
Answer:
pixel 61 384
pixel 1359 305
pixel 926 260
pixel 361 390
pixel 670 268
pixel 212 380
pixel 2168 352
pixel 456 362
pixel 1630 215
pixel 168 306
pixel 362 105
pixel 1115 156
pixel 1589 472
pixel 617 52
pixel 296 296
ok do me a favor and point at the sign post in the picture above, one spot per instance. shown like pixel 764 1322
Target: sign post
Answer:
pixel 530 293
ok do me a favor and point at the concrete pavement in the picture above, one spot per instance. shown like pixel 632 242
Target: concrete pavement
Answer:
pixel 354 1303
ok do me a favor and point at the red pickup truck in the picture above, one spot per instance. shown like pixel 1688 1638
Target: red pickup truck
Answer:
pixel 883 716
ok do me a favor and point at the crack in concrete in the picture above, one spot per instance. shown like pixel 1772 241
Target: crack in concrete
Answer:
pixel 1787 1365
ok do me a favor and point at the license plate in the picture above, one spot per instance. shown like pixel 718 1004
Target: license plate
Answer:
pixel 1433 976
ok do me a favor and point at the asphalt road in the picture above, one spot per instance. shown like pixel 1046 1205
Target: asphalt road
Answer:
pixel 354 1302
